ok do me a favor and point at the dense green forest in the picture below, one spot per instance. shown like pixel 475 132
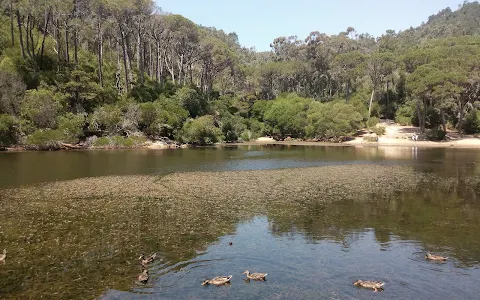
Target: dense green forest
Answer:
pixel 118 72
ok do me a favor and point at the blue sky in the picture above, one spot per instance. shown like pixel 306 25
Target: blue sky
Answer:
pixel 259 22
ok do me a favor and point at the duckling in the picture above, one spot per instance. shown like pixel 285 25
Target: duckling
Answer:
pixel 146 260
pixel 219 280
pixel 3 256
pixel 435 257
pixel 374 285
pixel 255 276
pixel 143 277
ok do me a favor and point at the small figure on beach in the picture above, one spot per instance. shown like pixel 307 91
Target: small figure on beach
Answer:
pixel 414 137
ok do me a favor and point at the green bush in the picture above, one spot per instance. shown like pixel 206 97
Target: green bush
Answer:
pixel 379 130
pixel 372 122
pixel 471 123
pixel 332 119
pixel 71 126
pixel 41 108
pixel 102 142
pixel 106 119
pixel 246 135
pixel 8 131
pixel 287 115
pixel 405 114
pixel 44 139
pixel 232 127
pixel 201 131
pixel 436 134
pixel 117 141
pixel 257 128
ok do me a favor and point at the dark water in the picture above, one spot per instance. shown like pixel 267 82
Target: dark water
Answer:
pixel 34 167
pixel 310 251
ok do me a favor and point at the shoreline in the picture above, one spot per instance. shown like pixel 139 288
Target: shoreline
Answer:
pixel 469 143
pixel 466 143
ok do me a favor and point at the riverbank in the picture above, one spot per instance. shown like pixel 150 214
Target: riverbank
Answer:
pixel 395 136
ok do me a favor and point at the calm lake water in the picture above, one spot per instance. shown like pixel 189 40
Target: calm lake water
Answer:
pixel 86 248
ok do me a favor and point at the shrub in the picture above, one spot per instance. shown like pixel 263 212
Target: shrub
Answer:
pixel 246 135
pixel 333 119
pixel 107 119
pixel 372 122
pixel 44 139
pixel 405 114
pixel 201 131
pixel 41 108
pixel 379 130
pixel 12 90
pixel 117 141
pixel 436 134
pixel 471 124
pixel 257 128
pixel 71 126
pixel 8 130
pixel 232 127
pixel 287 115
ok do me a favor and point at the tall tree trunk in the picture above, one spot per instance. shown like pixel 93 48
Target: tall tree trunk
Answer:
pixel 11 24
pixel 442 117
pixel 348 90
pixel 420 117
pixel 67 44
pixel 100 52
pixel 461 115
pixel 370 105
pixel 157 64
pixel 125 59
pixel 20 33
pixel 47 20
pixel 141 51
pixel 75 33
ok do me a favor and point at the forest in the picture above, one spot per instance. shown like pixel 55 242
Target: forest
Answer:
pixel 116 73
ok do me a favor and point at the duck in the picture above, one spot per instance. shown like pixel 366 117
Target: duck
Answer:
pixel 255 276
pixel 435 257
pixel 143 277
pixel 3 256
pixel 219 280
pixel 146 260
pixel 374 285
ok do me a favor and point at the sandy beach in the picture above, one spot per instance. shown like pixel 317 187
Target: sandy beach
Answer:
pixel 395 135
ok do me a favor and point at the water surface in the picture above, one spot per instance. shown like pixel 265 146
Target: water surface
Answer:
pixel 368 213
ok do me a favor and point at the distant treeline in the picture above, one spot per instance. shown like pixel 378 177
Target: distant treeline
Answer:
pixel 116 72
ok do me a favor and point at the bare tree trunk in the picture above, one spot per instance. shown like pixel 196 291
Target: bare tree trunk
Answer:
pixel 75 33
pixel 100 53
pixel 67 44
pixel 47 20
pixel 20 32
pixel 461 115
pixel 125 63
pixel 11 24
pixel 157 64
pixel 141 51
pixel 442 116
pixel 370 105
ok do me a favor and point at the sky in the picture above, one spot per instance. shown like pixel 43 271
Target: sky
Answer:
pixel 258 22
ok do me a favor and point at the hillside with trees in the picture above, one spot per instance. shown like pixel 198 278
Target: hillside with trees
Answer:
pixel 114 73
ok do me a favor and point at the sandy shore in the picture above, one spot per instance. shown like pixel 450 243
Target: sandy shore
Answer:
pixel 395 135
